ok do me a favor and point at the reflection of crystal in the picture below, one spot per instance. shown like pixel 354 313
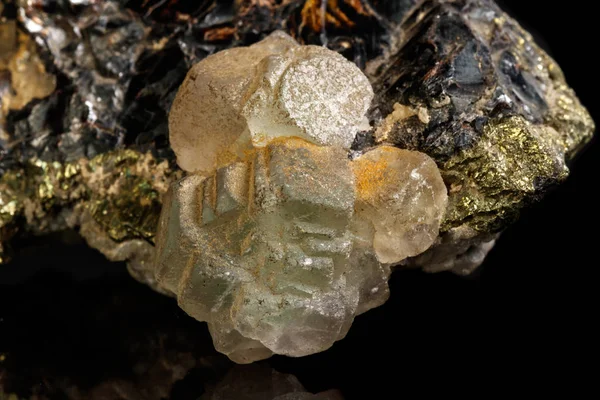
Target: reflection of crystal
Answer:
pixel 249 95
pixel 280 251
pixel 259 382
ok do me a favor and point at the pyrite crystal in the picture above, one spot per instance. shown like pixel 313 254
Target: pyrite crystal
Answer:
pixel 452 89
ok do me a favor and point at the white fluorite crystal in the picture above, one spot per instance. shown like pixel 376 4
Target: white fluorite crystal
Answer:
pixel 247 96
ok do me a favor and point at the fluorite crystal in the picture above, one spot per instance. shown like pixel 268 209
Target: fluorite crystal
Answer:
pixel 280 251
pixel 247 96
pixel 455 79
pixel 289 238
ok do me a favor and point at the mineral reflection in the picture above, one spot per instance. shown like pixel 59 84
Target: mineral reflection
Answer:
pixel 287 239
pixel 259 382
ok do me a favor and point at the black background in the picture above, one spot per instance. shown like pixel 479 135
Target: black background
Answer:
pixel 524 323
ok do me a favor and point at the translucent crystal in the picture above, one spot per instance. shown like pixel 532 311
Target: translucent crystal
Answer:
pixel 205 120
pixel 401 192
pixel 279 239
pixel 247 96
pixel 280 251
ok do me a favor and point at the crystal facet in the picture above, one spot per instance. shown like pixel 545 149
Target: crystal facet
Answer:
pixel 248 96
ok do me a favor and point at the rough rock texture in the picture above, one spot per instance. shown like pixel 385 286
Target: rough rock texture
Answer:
pixel 456 79
pixel 115 195
pixel 493 101
pixel 117 66
pixel 278 253
pixel 20 61
pixel 471 89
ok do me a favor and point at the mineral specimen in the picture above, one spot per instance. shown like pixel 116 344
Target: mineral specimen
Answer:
pixel 471 89
pixel 458 80
pixel 446 74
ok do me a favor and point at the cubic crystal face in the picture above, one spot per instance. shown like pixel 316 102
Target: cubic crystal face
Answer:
pixel 279 252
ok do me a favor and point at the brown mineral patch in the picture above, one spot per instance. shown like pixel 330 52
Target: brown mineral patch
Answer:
pixel 28 76
pixel 370 176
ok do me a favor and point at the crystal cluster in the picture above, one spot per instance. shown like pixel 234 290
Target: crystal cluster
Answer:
pixel 287 239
